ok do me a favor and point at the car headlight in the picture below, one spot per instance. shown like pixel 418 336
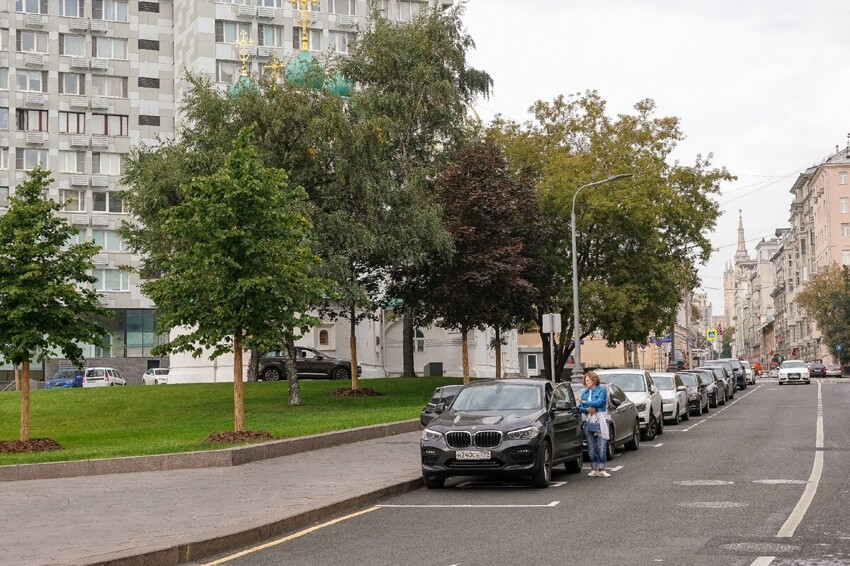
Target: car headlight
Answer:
pixel 641 407
pixel 429 434
pixel 524 433
pixel 692 396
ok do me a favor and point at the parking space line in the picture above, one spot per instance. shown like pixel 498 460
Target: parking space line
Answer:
pixel 465 506
pixel 763 561
pixel 658 445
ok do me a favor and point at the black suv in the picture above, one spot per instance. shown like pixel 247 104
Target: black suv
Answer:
pixel 504 428
pixel 309 363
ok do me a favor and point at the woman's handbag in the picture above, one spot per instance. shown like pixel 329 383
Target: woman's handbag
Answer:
pixel 591 425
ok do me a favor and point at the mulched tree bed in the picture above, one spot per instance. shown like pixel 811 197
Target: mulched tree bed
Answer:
pixel 31 445
pixel 244 436
pixel 348 392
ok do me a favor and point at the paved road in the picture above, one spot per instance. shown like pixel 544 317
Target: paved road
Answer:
pixel 716 490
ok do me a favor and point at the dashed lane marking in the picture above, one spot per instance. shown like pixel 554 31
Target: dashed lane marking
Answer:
pixel 659 445
pixel 465 506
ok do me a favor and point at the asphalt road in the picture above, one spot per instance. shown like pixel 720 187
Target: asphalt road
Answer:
pixel 748 484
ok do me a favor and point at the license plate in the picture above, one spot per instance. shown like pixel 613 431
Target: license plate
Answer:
pixel 472 454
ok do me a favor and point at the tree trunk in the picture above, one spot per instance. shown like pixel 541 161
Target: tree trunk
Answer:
pixel 352 344
pixel 238 386
pixel 407 343
pixel 253 364
pixel 292 375
pixel 25 400
pixel 464 347
pixel 498 353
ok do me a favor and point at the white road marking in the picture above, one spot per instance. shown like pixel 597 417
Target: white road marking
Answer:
pixel 728 404
pixel 782 482
pixel 617 469
pixel 660 444
pixel 763 561
pixel 553 504
pixel 704 482
pixel 799 511
pixel 558 484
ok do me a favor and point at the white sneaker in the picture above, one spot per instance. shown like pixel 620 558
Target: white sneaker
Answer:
pixel 602 474
pixel 593 473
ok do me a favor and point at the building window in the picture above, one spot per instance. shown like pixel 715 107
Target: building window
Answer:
pixel 228 71
pixel 107 164
pixel 4 118
pixel 109 48
pixel 324 337
pixel 803 247
pixel 845 229
pixel 31 6
pixel 72 83
pixel 110 124
pixel 72 122
pixel 31 120
pixel 270 3
pixel 231 32
pixel 271 36
pixel 113 87
pixel 4 158
pixel 340 40
pixel 72 8
pixel 28 41
pixel 419 340
pixel 4 197
pixel 532 361
pixel 314 39
pixel 107 202
pixel 73 45
pixel 26 159
pixel 74 201
pixel 842 177
pixel 344 7
pixel 844 205
pixel 408 11
pixel 4 39
pixel 111 280
pixel 108 240
pixel 4 78
pixel 72 161
pixel 245 2
pixel 110 10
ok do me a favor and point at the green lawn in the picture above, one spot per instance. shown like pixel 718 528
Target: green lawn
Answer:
pixel 127 421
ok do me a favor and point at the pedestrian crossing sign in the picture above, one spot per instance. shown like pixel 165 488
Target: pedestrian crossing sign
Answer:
pixel 711 334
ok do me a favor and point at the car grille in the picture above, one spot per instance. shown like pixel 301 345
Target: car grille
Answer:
pixel 476 464
pixel 483 439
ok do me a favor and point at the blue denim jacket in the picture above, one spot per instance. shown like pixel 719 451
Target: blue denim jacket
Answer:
pixel 596 398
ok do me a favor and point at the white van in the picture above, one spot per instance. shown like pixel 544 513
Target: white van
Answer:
pixel 102 377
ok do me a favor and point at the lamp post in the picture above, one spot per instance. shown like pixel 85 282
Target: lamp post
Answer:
pixel 577 369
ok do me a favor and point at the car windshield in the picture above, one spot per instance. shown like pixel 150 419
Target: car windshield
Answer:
pixel 746 365
pixel 498 397
pixel 664 383
pixel 628 382
pixel 689 379
pixel 792 364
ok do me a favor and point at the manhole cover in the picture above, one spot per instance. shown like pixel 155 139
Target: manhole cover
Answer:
pixel 714 504
pixel 782 482
pixel 760 547
pixel 704 482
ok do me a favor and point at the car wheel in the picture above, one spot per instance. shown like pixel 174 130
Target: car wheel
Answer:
pixel 340 373
pixel 634 443
pixel 675 418
pixel 272 374
pixel 704 410
pixel 574 466
pixel 712 401
pixel 542 476
pixel 433 482
pixel 611 445
pixel 651 430
pixel 687 415
pixel 660 422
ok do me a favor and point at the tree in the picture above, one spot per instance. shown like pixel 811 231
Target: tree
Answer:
pixel 484 283
pixel 726 345
pixel 47 302
pixel 826 298
pixel 414 90
pixel 240 273
pixel 639 241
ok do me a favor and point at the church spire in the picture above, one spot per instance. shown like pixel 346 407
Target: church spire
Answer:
pixel 741 253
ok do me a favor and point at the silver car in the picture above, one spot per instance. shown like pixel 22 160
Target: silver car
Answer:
pixel 639 388
pixel 623 422
pixel 674 396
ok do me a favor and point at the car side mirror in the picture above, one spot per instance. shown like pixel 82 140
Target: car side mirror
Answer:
pixel 681 388
pixel 616 402
pixel 563 406
pixel 439 407
pixel 653 389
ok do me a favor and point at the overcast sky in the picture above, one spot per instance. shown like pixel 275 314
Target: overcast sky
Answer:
pixel 764 85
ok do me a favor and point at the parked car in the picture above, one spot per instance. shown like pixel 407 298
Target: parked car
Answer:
pixel 749 372
pixel 817 369
pixel 738 377
pixel 716 391
pixel 738 370
pixel 674 396
pixel 102 377
pixel 793 371
pixel 639 388
pixel 833 370
pixel 309 363
pixel 622 418
pixel 66 379
pixel 697 393
pixel 504 428
pixel 728 381
pixel 440 401
pixel 155 376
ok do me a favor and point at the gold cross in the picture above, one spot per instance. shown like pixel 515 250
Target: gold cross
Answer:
pixel 303 7
pixel 273 67
pixel 244 42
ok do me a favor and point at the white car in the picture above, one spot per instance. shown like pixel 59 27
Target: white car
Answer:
pixel 749 374
pixel 155 376
pixel 794 371
pixel 674 396
pixel 102 377
pixel 640 389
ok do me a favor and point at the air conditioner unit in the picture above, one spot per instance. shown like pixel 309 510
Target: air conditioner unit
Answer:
pixel 99 181
pixel 99 26
pixel 79 102
pixel 346 21
pixel 36 20
pixel 246 11
pixel 79 140
pixel 35 59
pixel 100 142
pixel 36 137
pixel 99 104
pixel 99 64
pixel 79 62
pixel 79 180
pixel 79 24
pixel 36 98
pixel 265 12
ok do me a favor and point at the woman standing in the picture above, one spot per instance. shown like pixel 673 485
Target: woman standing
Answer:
pixel 594 402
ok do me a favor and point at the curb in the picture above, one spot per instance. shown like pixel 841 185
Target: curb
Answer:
pixel 222 458
pixel 184 553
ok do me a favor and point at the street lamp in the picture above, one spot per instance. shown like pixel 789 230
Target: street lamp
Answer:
pixel 577 369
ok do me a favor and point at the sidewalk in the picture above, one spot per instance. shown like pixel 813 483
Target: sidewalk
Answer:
pixel 171 517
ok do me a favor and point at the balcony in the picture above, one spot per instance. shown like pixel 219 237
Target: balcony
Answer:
pixel 99 64
pixel 99 142
pixel 99 103
pixel 36 138
pixel 36 21
pixel 79 180
pixel 99 26
pixel 35 59
pixel 79 62
pixel 79 24
pixel 265 12
pixel 246 11
pixel 79 102
pixel 79 140
pixel 36 98
pixel 99 181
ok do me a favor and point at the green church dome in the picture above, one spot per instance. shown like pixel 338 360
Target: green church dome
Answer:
pixel 302 71
pixel 244 84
